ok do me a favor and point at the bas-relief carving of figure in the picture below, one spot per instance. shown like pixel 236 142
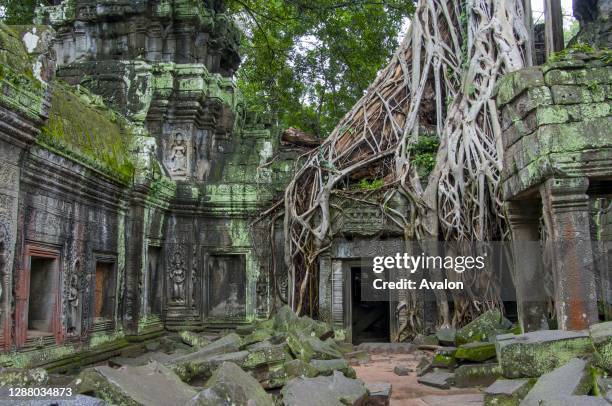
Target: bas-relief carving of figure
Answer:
pixel 178 156
pixel 177 276
pixel 73 298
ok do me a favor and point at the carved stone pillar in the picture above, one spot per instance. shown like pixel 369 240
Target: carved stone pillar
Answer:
pixel 566 209
pixel 528 272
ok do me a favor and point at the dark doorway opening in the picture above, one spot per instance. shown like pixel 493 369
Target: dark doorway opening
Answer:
pixel 511 311
pixel 42 296
pixel 155 281
pixel 370 318
pixel 104 292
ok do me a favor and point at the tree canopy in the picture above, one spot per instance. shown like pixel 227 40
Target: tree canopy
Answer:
pixel 308 61
pixel 304 61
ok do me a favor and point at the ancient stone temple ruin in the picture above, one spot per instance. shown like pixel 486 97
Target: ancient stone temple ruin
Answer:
pixel 133 176
pixel 129 167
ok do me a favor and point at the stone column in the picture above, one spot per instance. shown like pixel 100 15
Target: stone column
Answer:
pixel 528 273
pixel 566 209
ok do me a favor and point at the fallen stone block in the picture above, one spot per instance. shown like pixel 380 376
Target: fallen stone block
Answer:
pixel 575 401
pixel 196 365
pixel 437 379
pixel 481 328
pixel 402 370
pixel 230 385
pixel 444 358
pixel 228 343
pixel 471 375
pixel 149 385
pixel 270 376
pixel 327 367
pixel 284 319
pixel 601 335
pixel 379 394
pixel 23 377
pixel 532 354
pixel 507 392
pixel 193 339
pixel 309 347
pixel 266 353
pixel 308 326
pixel 476 351
pixel 570 379
pixel 334 390
pixel 446 336
pixel 257 336
pixel 297 367
pixel 424 366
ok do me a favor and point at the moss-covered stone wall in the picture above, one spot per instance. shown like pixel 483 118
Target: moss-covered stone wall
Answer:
pixel 556 120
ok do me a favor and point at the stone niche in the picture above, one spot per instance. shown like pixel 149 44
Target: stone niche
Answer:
pixel 556 122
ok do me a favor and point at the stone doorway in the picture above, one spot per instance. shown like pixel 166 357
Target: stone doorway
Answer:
pixel 43 288
pixel 38 298
pixel 104 293
pixel 369 318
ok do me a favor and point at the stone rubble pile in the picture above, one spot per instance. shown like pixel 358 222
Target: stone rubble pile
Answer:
pixel 547 367
pixel 286 360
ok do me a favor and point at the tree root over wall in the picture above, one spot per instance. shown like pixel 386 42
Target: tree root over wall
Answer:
pixel 441 79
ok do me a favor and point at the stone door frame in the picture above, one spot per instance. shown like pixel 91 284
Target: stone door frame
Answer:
pixel 22 292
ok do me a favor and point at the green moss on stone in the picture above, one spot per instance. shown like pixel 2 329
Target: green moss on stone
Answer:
pixel 81 128
pixel 476 351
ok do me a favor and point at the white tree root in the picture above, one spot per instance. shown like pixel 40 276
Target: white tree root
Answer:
pixel 454 51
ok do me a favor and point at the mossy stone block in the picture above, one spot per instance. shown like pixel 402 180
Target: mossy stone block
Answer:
pixel 481 328
pixel 601 335
pixel 507 392
pixel 535 353
pixel 476 352
pixel 471 375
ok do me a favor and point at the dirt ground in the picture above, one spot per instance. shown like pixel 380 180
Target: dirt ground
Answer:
pixel 405 390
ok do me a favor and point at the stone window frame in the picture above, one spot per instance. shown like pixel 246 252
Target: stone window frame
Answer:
pixel 22 292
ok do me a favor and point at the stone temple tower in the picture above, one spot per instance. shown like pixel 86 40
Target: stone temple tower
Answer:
pixel 135 173
pixel 166 64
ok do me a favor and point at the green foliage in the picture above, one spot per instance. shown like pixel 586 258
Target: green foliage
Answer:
pixel 423 153
pixel 309 61
pixel 367 184
pixel 16 12
pixel 571 31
